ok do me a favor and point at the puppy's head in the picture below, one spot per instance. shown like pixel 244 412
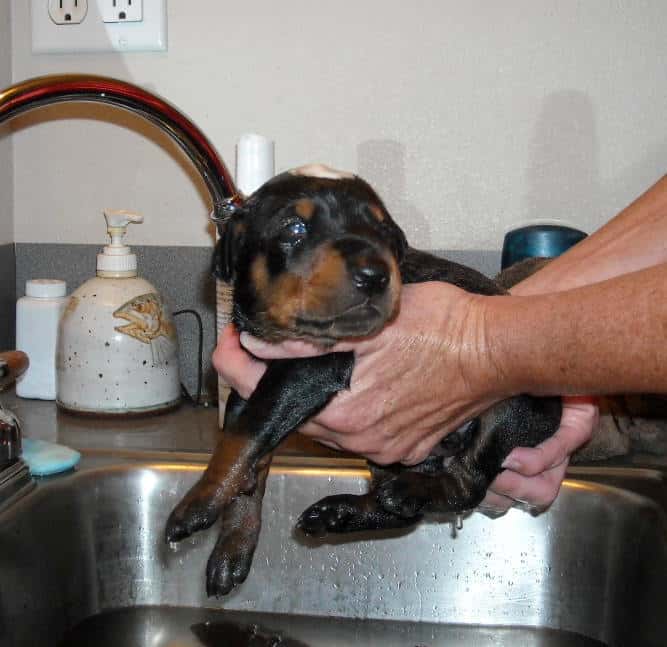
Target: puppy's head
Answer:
pixel 313 254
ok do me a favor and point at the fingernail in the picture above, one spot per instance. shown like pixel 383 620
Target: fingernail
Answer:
pixel 490 511
pixel 511 464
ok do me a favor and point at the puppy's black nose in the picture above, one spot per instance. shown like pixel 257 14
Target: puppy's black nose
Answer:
pixel 371 275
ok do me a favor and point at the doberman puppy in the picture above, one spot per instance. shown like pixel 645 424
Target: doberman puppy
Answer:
pixel 314 254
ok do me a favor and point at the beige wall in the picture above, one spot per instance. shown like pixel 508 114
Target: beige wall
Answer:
pixel 468 116
pixel 6 165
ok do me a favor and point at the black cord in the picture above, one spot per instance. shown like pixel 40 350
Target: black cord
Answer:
pixel 200 366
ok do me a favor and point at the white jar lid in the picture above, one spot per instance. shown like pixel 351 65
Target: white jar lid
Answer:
pixel 45 288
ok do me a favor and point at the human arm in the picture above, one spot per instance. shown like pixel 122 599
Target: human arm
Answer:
pixel 633 240
pixel 604 254
pixel 449 355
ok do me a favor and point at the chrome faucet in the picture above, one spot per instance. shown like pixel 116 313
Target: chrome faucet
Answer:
pixel 60 88
pixel 14 473
pixel 12 365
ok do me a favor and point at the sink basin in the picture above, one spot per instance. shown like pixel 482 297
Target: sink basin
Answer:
pixel 82 555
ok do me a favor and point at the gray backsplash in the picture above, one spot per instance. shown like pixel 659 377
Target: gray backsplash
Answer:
pixel 181 275
pixel 7 296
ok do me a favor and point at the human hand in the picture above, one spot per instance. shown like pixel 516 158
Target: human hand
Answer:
pixel 422 376
pixel 533 476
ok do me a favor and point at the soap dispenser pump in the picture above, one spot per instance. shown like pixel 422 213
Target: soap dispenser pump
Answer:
pixel 117 259
pixel 117 349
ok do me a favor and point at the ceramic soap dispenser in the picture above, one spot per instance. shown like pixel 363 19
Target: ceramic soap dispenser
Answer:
pixel 117 350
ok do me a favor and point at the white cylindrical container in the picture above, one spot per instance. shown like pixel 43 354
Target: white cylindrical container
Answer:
pixel 37 316
pixel 255 165
pixel 254 162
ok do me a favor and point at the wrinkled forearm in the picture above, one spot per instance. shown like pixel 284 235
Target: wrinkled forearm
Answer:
pixel 635 239
pixel 608 337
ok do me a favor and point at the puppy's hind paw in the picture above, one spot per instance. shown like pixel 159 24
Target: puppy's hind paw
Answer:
pixel 404 496
pixel 332 514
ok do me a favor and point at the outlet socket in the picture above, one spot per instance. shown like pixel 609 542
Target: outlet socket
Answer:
pixel 121 10
pixel 68 12
pixel 145 32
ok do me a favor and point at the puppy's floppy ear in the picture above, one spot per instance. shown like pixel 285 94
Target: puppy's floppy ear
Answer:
pixel 230 233
pixel 399 242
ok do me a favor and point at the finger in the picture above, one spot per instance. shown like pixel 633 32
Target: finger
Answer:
pixel 417 454
pixel 575 429
pixel 494 505
pixel 423 448
pixel 322 434
pixel 236 367
pixel 537 491
pixel 290 348
pixel 331 445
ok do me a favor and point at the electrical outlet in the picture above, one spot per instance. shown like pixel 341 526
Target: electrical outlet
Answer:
pixel 121 10
pixel 68 12
pixel 144 28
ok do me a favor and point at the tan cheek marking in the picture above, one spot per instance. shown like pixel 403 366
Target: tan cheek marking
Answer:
pixel 286 295
pixel 395 285
pixel 377 212
pixel 259 274
pixel 327 277
pixel 305 208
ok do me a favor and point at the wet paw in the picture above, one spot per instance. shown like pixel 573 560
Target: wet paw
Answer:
pixel 405 496
pixel 331 514
pixel 198 510
pixel 229 564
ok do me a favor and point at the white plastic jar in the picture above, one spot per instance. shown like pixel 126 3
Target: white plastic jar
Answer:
pixel 37 317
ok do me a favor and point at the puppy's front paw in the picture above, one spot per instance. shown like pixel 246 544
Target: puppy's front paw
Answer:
pixel 229 563
pixel 198 510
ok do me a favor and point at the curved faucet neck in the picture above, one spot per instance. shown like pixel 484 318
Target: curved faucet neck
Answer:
pixel 58 88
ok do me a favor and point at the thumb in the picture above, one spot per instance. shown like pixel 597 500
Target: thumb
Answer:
pixel 281 350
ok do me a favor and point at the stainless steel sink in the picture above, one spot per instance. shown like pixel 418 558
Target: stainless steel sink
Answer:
pixel 82 556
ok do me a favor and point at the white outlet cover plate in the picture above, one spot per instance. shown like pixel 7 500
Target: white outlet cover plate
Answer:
pixel 94 35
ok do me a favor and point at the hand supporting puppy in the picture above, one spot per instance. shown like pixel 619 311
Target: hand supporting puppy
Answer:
pixel 404 364
pixel 438 363
pixel 411 383
pixel 533 476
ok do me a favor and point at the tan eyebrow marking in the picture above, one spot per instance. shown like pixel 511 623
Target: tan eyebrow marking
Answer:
pixel 377 212
pixel 305 208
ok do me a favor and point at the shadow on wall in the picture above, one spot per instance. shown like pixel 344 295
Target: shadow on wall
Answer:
pixel 563 163
pixel 382 163
pixel 564 176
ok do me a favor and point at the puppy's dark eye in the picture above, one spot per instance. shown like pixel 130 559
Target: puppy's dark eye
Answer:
pixel 294 232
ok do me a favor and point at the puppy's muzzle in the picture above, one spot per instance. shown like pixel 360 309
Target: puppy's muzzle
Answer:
pixel 369 271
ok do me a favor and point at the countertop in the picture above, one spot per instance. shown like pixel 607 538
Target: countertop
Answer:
pixel 185 429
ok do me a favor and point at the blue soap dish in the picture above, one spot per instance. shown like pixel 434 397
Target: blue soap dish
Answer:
pixel 44 458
